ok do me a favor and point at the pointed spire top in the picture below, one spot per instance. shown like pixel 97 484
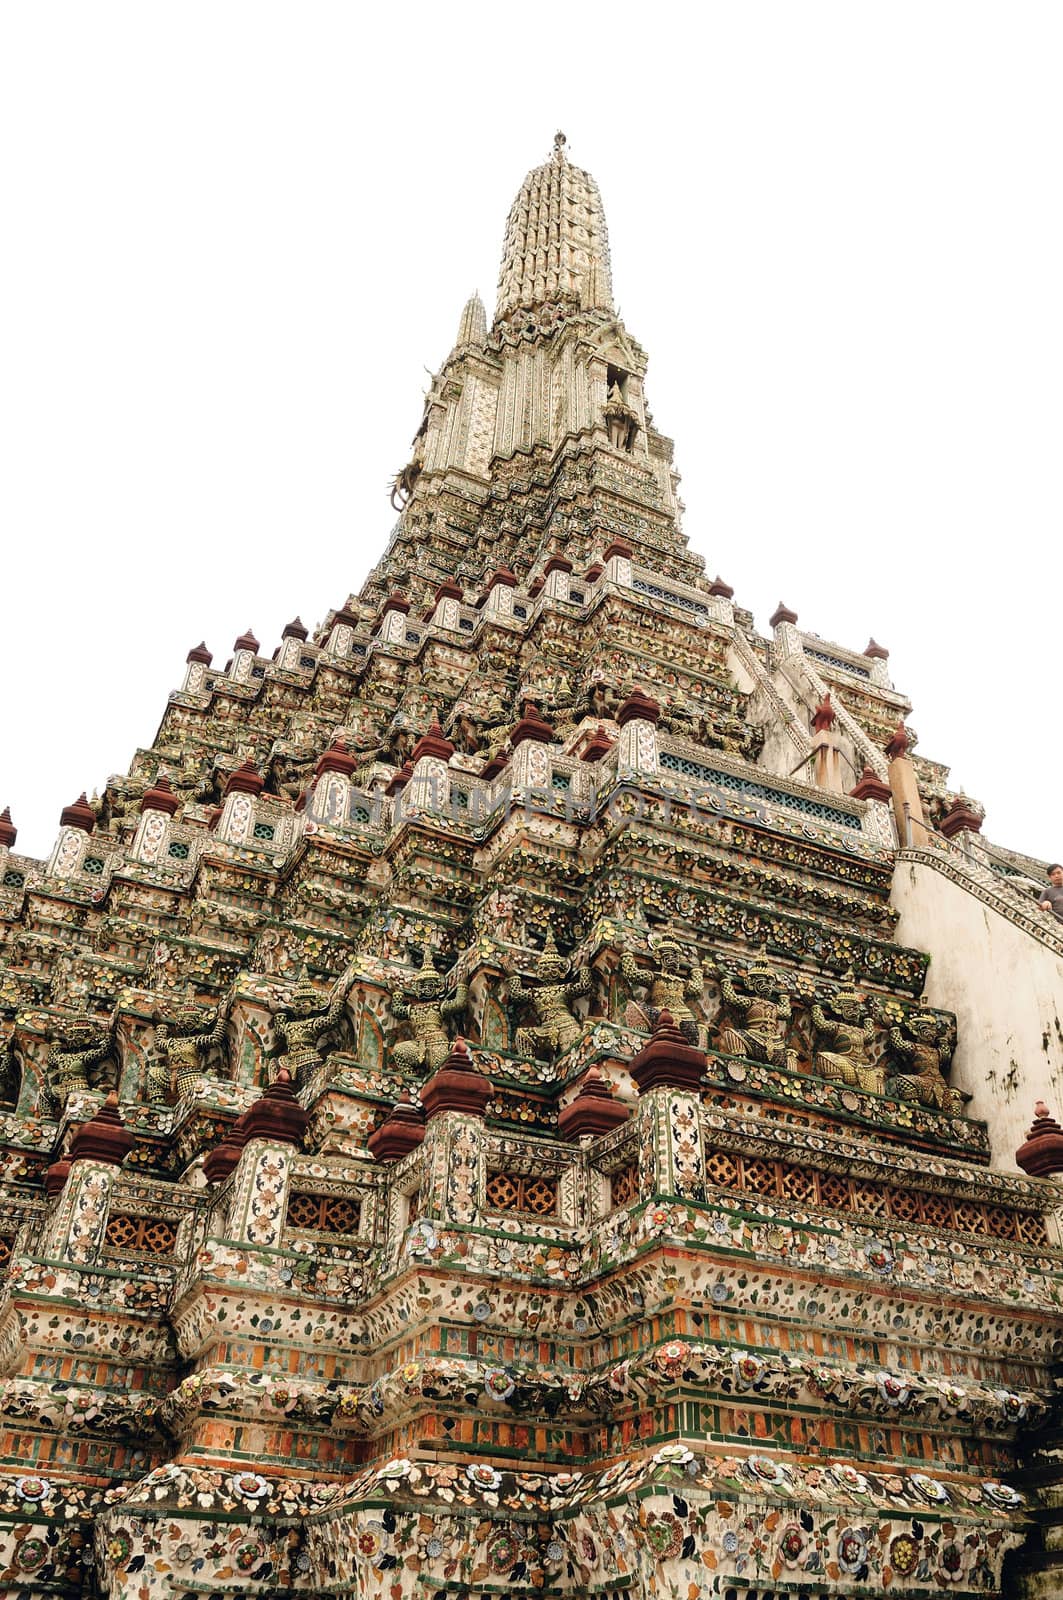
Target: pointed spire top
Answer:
pixel 557 243
pixel 472 329
pixel 8 831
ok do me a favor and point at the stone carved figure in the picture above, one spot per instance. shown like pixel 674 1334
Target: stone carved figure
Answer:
pixel 81 1047
pixel 765 1010
pixel 550 995
pixel 302 1022
pixel 677 978
pixel 844 1032
pixel 420 1002
pixel 925 1044
pixel 181 1047
pixel 10 1071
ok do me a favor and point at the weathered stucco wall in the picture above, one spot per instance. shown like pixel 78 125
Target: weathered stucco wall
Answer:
pixel 1006 989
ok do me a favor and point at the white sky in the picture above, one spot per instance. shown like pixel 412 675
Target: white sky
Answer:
pixel 234 236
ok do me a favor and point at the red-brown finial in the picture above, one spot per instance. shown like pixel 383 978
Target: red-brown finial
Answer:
pixel 458 1085
pixel 531 726
pixel 638 707
pixel 160 797
pixel 79 815
pixel 401 1131
pixel 1042 1154
pixel 103 1138
pixel 245 780
pixel 8 831
pixel 898 745
pixel 337 758
pixel 432 744
pixel 594 1109
pixel 824 717
pixel 668 1059
pixel 870 787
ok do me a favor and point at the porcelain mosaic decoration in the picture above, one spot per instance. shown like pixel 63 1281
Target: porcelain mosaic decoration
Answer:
pixel 472 1125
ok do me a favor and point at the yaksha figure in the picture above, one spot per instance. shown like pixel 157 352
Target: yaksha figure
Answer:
pixel 300 1024
pixel 676 979
pixel 925 1043
pixel 550 995
pixel 182 1046
pixel 421 1004
pixel 846 1032
pixel 765 1011
pixel 72 1061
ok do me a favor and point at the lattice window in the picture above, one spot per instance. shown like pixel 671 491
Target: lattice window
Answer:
pixel 834 1191
pixel 641 586
pixel 722 1169
pixel 937 1210
pixel 264 830
pixel 13 879
pixel 179 850
pixel 1030 1228
pixel 512 1191
pixel 835 661
pixel 904 1205
pixel 323 1213
pixel 310 662
pixel 798 1184
pixel 7 1244
pixel 147 1236
pixel 867 1198
pixel 870 1199
pixel 670 762
pixel 970 1218
pixel 624 1186
pixel 1003 1224
pixel 758 1176
pixel 93 865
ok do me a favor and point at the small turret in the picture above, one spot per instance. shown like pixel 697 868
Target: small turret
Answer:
pixel 472 329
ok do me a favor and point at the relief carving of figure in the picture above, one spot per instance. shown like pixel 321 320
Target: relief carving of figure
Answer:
pixel 601 700
pixel 10 1071
pixel 182 1048
pixel 420 1002
pixel 925 1044
pixel 80 1049
pixel 844 1035
pixel 302 1022
pixel 550 995
pixel 677 978
pixel 465 733
pixel 765 1011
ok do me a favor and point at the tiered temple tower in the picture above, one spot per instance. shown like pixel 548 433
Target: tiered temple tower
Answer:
pixel 479 1122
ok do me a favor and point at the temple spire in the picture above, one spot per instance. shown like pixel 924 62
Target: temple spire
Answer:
pixel 557 243
pixel 472 329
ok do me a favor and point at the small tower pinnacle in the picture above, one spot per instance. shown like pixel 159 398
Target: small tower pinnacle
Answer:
pixel 472 329
pixel 556 244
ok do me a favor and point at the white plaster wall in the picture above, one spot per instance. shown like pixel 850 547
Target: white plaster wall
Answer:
pixel 1006 989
